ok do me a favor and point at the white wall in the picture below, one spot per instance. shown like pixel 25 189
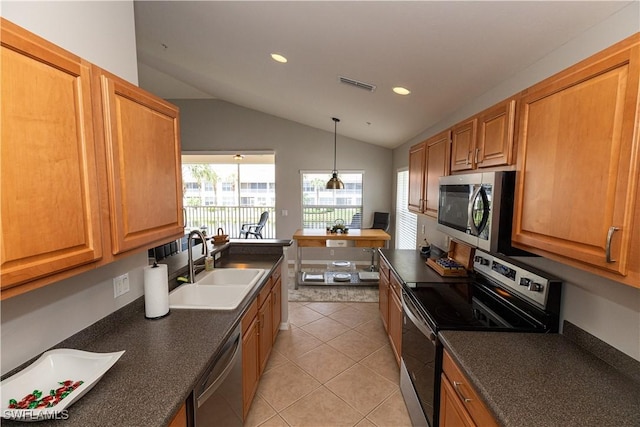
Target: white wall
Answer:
pixel 208 125
pixel 606 309
pixel 103 33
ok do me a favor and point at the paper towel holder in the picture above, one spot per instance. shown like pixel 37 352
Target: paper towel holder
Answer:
pixel 148 300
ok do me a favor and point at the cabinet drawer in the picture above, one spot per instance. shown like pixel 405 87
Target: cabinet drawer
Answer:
pixel 265 292
pixel 396 285
pixel 277 272
pixel 249 315
pixel 463 389
pixel 384 269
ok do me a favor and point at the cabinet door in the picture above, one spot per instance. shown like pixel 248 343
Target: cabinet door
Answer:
pixel 463 142
pixel 466 396
pixel 575 195
pixel 50 214
pixel 495 135
pixel 142 141
pixel 250 365
pixel 276 302
pixel 452 411
pixel 437 165
pixel 416 177
pixel 395 325
pixel 265 331
pixel 383 300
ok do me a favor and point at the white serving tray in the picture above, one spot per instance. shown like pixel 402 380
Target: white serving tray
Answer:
pixel 44 374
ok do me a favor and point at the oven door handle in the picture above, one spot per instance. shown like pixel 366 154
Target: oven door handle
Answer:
pixel 421 325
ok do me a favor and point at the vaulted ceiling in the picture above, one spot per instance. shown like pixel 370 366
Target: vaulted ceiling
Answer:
pixel 446 53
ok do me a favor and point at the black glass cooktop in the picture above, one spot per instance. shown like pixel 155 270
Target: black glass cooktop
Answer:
pixel 475 306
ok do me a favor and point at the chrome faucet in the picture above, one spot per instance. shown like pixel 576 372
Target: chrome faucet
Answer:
pixel 192 273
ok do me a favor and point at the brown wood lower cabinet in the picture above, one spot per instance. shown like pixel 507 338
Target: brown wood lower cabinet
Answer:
pixel 250 366
pixel 265 331
pixel 395 316
pixel 383 300
pixel 260 326
pixel 180 420
pixel 460 405
pixel 276 302
pixel 390 305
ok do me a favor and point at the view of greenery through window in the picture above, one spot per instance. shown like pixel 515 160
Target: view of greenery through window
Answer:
pixel 227 195
pixel 321 208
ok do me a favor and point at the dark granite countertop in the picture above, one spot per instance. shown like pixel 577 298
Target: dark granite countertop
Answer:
pixel 411 267
pixel 163 360
pixel 544 380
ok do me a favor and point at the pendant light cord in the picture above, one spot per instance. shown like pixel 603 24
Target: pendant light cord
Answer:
pixel 335 144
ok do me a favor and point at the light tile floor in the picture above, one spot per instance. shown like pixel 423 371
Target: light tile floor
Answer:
pixel 334 367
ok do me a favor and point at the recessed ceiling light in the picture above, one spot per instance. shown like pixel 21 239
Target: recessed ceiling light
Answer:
pixel 401 90
pixel 238 157
pixel 279 58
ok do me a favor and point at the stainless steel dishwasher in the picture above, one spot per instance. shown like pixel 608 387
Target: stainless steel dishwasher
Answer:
pixel 218 395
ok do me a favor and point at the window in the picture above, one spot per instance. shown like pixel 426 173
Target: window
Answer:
pixel 322 207
pixel 220 192
pixel 406 222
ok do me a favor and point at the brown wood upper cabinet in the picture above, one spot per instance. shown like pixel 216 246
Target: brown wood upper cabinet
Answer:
pixel 577 189
pixel 74 175
pixel 428 161
pixel 142 142
pixel 484 140
pixel 49 175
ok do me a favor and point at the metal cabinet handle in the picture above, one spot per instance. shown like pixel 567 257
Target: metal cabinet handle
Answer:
pixel 608 247
pixel 477 155
pixel 456 386
pixel 468 155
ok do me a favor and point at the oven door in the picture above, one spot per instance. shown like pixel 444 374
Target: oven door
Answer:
pixel 419 379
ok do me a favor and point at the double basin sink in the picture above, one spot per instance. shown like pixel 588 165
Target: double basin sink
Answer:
pixel 220 289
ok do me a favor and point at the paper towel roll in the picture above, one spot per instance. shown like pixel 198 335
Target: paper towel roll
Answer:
pixel 156 291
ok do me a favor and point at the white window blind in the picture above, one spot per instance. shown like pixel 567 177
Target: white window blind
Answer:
pixel 406 222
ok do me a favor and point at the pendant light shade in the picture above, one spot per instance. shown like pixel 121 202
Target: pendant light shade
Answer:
pixel 334 183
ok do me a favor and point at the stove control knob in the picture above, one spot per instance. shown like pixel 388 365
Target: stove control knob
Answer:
pixel 525 282
pixel 535 287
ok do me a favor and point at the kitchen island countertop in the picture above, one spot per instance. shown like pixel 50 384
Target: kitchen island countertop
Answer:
pixel 543 380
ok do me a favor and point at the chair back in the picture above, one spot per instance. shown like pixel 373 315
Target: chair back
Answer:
pixel 356 221
pixel 381 221
pixel 263 220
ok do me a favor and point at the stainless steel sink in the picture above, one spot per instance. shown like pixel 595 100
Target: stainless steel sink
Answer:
pixel 221 289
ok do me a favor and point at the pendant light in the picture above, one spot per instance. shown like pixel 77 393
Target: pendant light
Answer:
pixel 334 183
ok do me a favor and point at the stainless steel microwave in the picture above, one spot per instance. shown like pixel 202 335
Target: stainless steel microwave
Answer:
pixel 477 209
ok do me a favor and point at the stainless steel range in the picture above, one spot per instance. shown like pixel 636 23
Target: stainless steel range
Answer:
pixel 503 295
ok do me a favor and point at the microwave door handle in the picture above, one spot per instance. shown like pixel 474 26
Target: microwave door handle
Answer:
pixel 472 225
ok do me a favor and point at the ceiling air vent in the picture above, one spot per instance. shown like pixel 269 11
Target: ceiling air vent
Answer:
pixel 356 83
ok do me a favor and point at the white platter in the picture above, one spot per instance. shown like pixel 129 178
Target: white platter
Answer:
pixel 46 373
pixel 341 263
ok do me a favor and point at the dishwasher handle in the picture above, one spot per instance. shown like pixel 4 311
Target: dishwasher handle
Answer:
pixel 236 346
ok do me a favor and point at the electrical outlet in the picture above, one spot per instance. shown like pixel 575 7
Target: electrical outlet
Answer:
pixel 331 252
pixel 120 285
